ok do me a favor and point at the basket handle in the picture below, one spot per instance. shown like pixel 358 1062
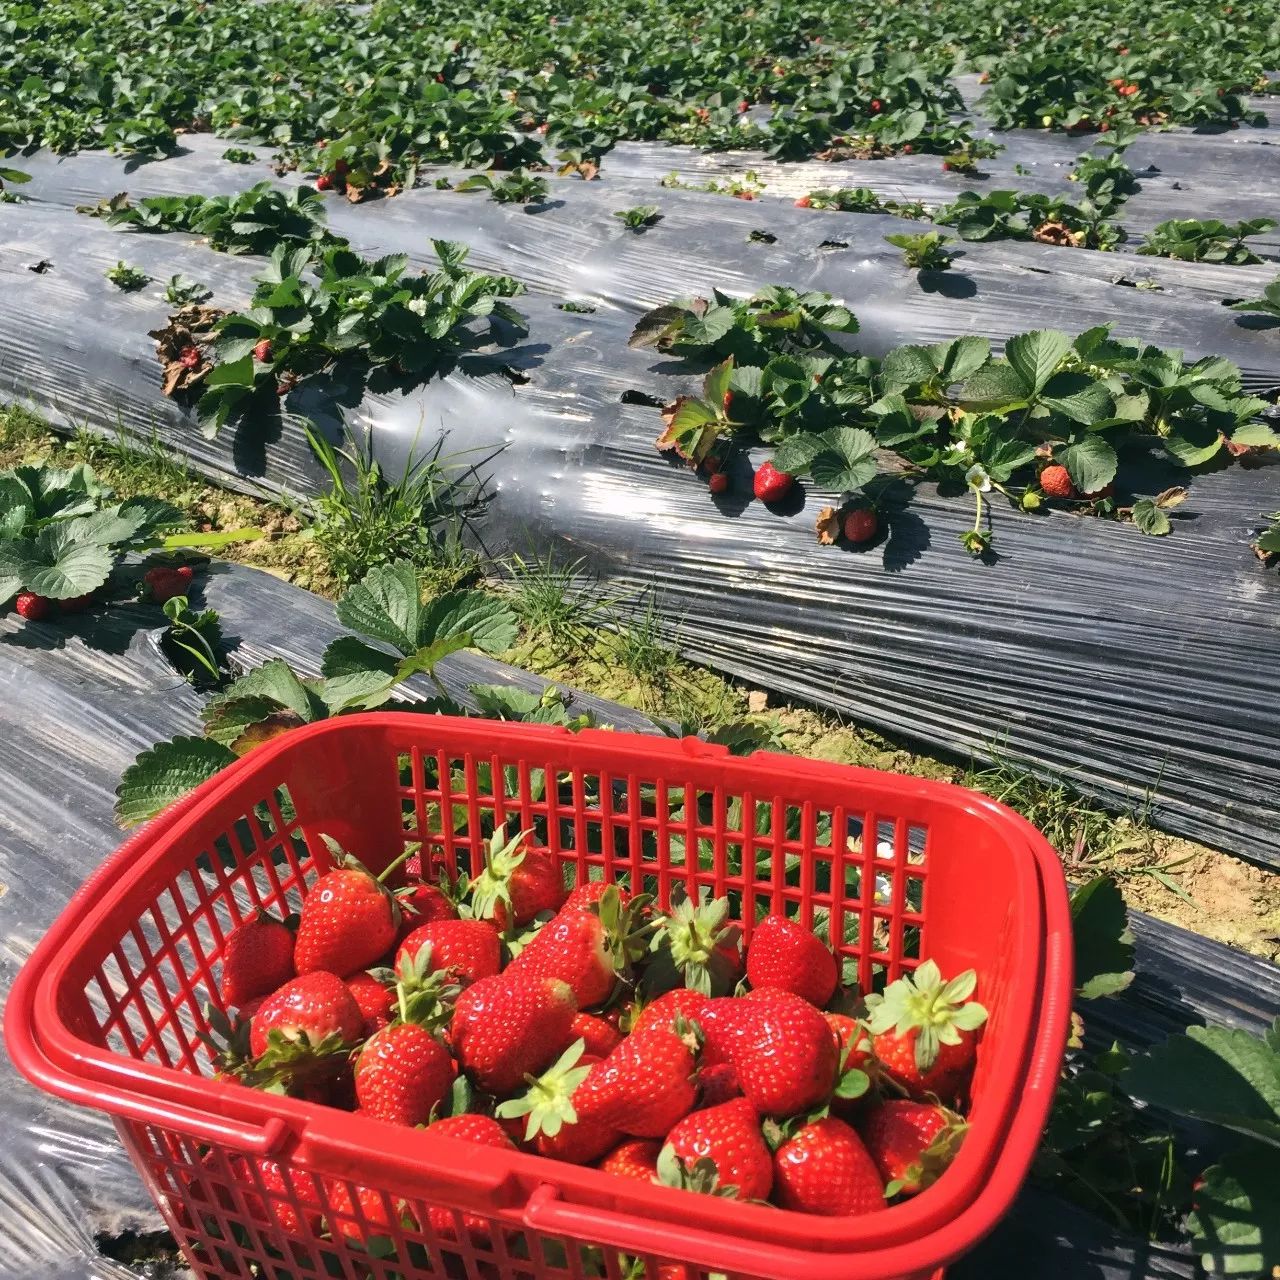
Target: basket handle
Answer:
pixel 547 1212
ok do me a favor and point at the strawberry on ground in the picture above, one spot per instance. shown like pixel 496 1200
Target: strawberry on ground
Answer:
pixel 189 357
pixel 518 882
pixel 349 920
pixel 718 482
pixel 787 955
pixel 31 606
pixel 912 1143
pixel 1056 482
pixel 770 484
pixel 164 582
pixel 510 1026
pixel 728 1138
pixel 262 351
pixel 860 525
pixel 256 959
pixel 467 950
pixel 923 1030
pixel 635 1158
pixel 825 1169
pixel 587 947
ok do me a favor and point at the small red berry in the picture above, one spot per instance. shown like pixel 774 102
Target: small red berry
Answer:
pixel 875 106
pixel 860 525
pixel 31 606
pixel 718 482
pixel 907 149
pixel 744 106
pixel 164 583
pixel 805 202
pixel 946 164
pixel 262 352
pixel 771 485
pixel 189 357
pixel 324 182
pixel 1055 480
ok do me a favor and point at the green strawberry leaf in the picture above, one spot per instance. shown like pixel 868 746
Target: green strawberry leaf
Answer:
pixel 164 774
pixel 995 388
pixel 1103 943
pixel 1235 1222
pixel 1035 356
pixel 58 562
pixel 474 619
pixel 1150 518
pixel 1091 463
pixel 1220 1075
pixel 386 605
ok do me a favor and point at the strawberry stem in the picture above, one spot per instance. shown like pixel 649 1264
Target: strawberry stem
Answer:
pixel 410 850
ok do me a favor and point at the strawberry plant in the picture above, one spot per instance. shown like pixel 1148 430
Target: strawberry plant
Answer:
pixel 184 292
pixel 639 218
pixel 1019 215
pixel 1192 240
pixel 64 541
pixel 518 187
pixel 1047 422
pixel 356 314
pixel 256 221
pixel 126 278
pixel 926 251
pixel 1268 305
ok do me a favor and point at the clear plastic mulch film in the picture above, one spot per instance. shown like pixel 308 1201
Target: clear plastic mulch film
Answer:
pixel 80 698
pixel 1142 669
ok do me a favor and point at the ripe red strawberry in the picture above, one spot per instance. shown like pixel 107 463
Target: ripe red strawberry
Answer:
pixel 510 1026
pixel 349 920
pixel 364 1218
pixel 421 903
pixel 717 1084
pixel 805 202
pixel 922 1030
pixel 635 1158
pixel 728 1137
pixel 1055 480
pixel 601 1038
pixel 563 1113
pixel 860 525
pixel 518 882
pixel 782 1050
pixel 324 182
pixel 31 606
pixel 291 1196
pixel 583 895
pixel 912 1143
pixel 787 955
pixel 256 960
pixel 587 947
pixel 189 357
pixel 825 1169
pixel 743 106
pixel 646 1083
pixel 697 946
pixel 875 106
pixel 262 351
pixel 680 1002
pixel 718 482
pixel 467 950
pixel 403 1074
pixel 946 164
pixel 486 1132
pixel 164 582
pixel 771 485
pixel 313 1009
pixel 376 1001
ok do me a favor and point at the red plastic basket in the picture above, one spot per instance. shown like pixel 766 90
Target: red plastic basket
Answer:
pixel 109 1009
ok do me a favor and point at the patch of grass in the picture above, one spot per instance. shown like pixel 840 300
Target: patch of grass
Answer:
pixel 368 519
pixel 136 465
pixel 557 603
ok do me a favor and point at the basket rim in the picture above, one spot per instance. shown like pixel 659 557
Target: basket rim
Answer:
pixel 323 1132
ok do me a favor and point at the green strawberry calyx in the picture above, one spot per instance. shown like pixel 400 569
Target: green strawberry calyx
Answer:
pixel 501 859
pixel 549 1100
pixel 694 936
pixel 937 1012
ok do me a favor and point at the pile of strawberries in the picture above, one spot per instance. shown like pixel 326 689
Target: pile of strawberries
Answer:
pixel 589 1026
